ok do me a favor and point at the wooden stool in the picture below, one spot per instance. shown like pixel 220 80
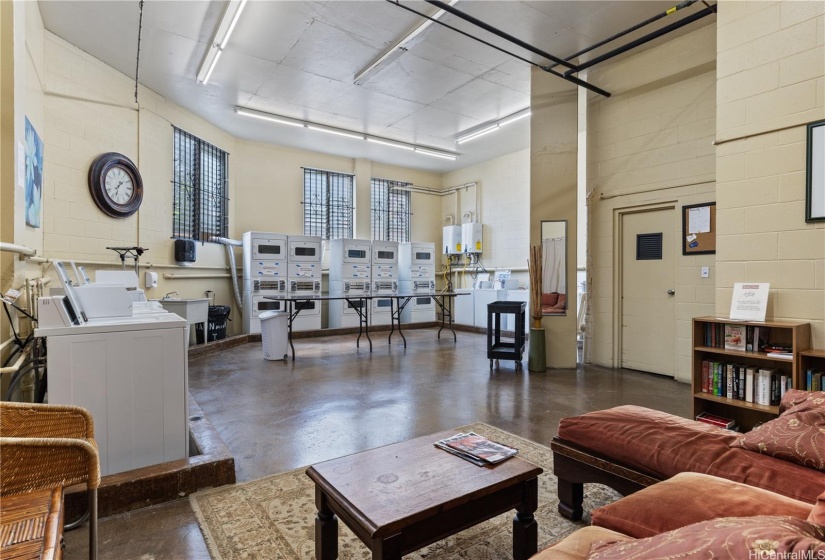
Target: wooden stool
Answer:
pixel 31 525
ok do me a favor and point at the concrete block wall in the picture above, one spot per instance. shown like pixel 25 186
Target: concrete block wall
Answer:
pixel 503 193
pixel 771 83
pixel 650 145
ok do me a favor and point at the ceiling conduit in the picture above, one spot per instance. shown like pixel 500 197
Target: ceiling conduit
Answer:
pixel 571 79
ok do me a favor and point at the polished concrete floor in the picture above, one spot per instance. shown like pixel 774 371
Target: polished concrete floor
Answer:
pixel 336 399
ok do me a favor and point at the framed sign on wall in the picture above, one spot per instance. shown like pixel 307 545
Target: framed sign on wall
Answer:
pixel 815 197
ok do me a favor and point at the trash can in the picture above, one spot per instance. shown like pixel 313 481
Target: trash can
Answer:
pixel 274 334
pixel 217 315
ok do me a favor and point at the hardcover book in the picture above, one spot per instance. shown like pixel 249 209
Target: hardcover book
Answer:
pixel 735 337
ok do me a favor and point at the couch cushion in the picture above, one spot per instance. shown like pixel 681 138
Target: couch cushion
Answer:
pixel 696 497
pixel 550 298
pixel 576 546
pixel 798 435
pixel 654 442
pixel 818 512
pixel 663 445
pixel 793 397
pixel 729 537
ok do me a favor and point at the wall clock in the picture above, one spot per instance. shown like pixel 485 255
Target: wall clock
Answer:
pixel 115 185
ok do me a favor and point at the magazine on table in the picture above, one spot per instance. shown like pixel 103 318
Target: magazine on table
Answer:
pixel 476 449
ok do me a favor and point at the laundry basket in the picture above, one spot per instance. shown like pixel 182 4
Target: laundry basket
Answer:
pixel 274 334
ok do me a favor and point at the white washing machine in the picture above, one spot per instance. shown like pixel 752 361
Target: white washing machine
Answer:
pixel 480 300
pixel 509 318
pixel 350 273
pixel 464 307
pixel 384 275
pixel 130 373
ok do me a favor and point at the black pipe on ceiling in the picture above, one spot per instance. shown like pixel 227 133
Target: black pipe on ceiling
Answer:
pixel 571 79
pixel 630 29
pixel 645 39
pixel 495 31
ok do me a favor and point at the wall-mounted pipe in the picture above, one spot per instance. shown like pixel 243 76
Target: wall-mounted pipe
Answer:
pixel 230 252
pixel 148 265
pixel 172 276
pixel 17 364
pixel 19 249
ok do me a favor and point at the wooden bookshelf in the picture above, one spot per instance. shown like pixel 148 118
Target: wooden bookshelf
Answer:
pixel 810 359
pixel 746 414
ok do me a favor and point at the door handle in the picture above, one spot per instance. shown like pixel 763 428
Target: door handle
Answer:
pixel 671 292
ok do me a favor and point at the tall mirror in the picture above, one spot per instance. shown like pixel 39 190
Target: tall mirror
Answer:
pixel 554 267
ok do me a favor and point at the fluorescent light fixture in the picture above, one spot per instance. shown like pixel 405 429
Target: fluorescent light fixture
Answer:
pixel 268 117
pixel 334 131
pixel 219 41
pixel 399 48
pixel 474 133
pixel 444 155
pixel 346 133
pixel 392 144
pixel 477 133
pixel 514 117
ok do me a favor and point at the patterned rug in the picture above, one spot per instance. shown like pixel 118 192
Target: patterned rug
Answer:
pixel 273 517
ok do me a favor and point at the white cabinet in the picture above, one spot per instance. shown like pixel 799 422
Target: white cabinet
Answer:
pixel 132 378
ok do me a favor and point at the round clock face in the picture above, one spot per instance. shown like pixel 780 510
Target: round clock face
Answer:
pixel 115 185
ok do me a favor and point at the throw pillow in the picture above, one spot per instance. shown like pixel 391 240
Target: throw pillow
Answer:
pixel 794 397
pixel 818 513
pixel 730 537
pixel 798 435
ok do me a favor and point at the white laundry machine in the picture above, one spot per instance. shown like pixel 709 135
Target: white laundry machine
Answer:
pixel 130 373
pixel 509 323
pixel 384 275
pixel 464 307
pixel 480 300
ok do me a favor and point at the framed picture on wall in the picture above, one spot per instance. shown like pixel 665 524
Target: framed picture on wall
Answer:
pixel 815 197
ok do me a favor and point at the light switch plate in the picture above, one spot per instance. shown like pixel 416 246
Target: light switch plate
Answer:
pixel 705 272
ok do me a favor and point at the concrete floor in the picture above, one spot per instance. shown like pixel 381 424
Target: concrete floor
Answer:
pixel 336 400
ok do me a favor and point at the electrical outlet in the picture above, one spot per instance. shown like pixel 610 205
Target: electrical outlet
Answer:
pixel 705 272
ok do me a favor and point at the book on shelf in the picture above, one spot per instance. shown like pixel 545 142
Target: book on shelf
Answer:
pixel 813 378
pixel 476 449
pixel 715 420
pixel 735 337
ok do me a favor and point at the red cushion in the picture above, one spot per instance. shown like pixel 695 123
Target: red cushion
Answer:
pixel 728 537
pixel 550 298
pixel 664 445
pixel 696 497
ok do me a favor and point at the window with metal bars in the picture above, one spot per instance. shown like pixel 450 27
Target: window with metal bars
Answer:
pixel 199 180
pixel 391 210
pixel 328 204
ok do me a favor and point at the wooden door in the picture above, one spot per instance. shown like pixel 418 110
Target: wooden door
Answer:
pixel 648 302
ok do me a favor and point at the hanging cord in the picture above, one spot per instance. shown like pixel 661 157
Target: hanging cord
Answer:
pixel 137 62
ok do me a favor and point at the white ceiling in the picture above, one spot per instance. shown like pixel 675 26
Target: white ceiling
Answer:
pixel 299 59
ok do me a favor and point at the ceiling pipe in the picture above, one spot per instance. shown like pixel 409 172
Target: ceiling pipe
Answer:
pixel 630 29
pixel 645 39
pixel 495 31
pixel 570 79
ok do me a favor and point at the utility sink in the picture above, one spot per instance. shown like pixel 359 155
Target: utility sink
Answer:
pixel 194 311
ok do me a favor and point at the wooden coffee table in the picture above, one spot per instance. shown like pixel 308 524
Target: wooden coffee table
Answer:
pixel 404 496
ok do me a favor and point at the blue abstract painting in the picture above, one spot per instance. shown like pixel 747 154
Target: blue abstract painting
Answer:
pixel 34 175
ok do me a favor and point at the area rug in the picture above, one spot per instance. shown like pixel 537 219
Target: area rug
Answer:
pixel 273 518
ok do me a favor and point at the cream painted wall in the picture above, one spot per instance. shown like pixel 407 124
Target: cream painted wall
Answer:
pixel 501 202
pixel 553 193
pixel 650 144
pixel 771 83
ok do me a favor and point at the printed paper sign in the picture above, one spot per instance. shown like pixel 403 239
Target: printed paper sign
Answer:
pixel 699 220
pixel 749 302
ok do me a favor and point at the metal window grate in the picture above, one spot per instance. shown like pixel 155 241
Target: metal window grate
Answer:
pixel 649 247
pixel 391 210
pixel 200 204
pixel 328 204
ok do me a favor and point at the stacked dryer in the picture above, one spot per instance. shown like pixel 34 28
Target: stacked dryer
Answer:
pixel 304 279
pixel 416 273
pixel 384 280
pixel 264 274
pixel 350 273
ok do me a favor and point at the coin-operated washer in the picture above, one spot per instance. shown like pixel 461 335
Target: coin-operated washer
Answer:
pixel 304 278
pixel 416 275
pixel 384 280
pixel 264 274
pixel 350 273
pixel 129 370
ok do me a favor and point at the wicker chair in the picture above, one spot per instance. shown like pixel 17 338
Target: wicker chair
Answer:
pixel 44 446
